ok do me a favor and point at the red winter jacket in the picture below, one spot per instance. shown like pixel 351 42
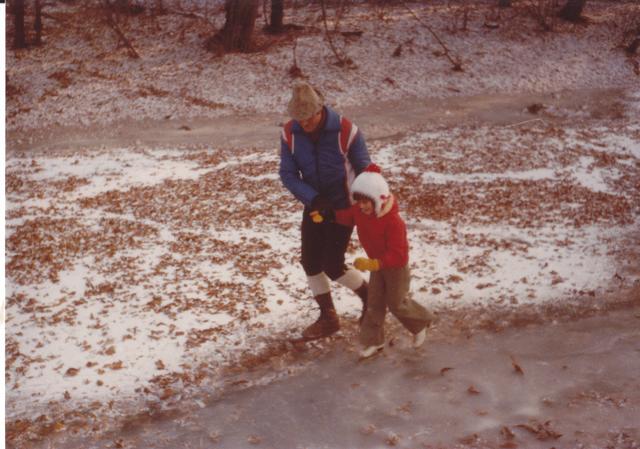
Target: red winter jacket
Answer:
pixel 383 238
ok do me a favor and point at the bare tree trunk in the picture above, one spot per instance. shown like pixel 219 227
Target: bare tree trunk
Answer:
pixel 238 27
pixel 19 39
pixel 159 8
pixel 127 7
pixel 277 16
pixel 122 6
pixel 572 10
pixel 37 24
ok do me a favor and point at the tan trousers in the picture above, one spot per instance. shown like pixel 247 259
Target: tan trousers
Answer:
pixel 390 288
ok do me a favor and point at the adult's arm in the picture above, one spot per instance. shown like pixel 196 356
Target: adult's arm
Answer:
pixel 290 176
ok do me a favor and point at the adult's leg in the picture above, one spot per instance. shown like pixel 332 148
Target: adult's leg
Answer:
pixel 312 236
pixel 336 240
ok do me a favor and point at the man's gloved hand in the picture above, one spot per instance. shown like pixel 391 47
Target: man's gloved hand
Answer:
pixel 365 264
pixel 316 216
pixel 321 210
pixel 319 216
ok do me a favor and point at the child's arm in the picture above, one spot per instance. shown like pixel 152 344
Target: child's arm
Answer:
pixel 345 217
pixel 396 253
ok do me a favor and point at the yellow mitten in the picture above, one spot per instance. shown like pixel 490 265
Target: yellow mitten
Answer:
pixel 316 217
pixel 364 264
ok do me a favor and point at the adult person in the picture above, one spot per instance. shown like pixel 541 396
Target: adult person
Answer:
pixel 321 154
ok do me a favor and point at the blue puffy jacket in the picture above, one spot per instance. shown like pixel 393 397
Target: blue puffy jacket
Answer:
pixel 326 167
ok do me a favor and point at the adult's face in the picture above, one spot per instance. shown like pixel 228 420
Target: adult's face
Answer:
pixel 311 123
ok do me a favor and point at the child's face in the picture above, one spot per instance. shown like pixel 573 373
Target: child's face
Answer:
pixel 366 205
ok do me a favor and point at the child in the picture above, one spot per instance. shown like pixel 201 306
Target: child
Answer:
pixel 383 235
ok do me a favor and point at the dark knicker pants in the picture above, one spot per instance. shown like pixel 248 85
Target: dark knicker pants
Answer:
pixel 389 287
pixel 323 247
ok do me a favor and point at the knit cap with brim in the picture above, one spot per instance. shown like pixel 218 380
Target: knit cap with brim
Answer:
pixel 305 102
pixel 371 184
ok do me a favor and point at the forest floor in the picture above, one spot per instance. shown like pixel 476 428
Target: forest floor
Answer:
pixel 478 336
pixel 147 306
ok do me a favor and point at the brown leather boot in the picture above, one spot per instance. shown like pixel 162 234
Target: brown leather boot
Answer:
pixel 363 292
pixel 328 323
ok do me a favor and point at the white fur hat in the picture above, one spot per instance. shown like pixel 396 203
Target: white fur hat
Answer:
pixel 371 184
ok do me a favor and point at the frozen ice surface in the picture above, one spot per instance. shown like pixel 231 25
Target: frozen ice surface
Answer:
pixel 560 384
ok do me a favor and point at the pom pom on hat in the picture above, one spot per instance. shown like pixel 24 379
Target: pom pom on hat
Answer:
pixel 371 184
pixel 373 168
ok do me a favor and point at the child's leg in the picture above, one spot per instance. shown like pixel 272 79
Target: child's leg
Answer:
pixel 412 315
pixel 372 328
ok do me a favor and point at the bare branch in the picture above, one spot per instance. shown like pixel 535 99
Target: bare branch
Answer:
pixel 457 64
pixel 114 26
pixel 191 15
pixel 341 60
pixel 294 70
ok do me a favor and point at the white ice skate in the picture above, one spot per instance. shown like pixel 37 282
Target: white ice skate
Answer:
pixel 370 351
pixel 419 338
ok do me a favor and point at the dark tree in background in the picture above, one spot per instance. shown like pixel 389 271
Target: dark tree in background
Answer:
pixel 277 16
pixel 19 39
pixel 37 24
pixel 240 18
pixel 126 7
pixel 159 8
pixel 122 5
pixel 572 10
pixel 504 3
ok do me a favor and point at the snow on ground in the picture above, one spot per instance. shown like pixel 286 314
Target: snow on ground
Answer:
pixel 88 79
pixel 130 272
pixel 135 273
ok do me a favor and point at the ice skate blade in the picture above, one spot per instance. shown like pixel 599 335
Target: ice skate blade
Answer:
pixel 304 339
pixel 370 353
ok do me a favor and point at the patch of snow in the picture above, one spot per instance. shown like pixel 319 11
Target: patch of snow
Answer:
pixel 184 80
pixel 201 292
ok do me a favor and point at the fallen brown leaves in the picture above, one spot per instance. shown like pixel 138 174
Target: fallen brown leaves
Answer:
pixel 115 365
pixel 72 372
pixel 196 337
pixel 506 433
pixel 69 184
pixel 525 203
pixel 542 431
pixel 40 248
pixel 517 368
pixel 521 203
pixel 473 390
pixel 217 220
